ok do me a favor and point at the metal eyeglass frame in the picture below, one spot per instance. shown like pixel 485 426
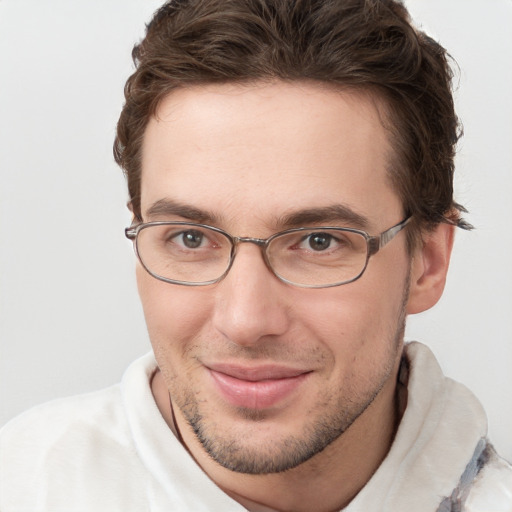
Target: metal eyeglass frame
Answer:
pixel 373 243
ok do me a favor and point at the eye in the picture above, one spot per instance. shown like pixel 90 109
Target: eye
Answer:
pixel 326 243
pixel 319 241
pixel 191 239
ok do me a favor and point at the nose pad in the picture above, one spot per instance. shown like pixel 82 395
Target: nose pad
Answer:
pixel 250 302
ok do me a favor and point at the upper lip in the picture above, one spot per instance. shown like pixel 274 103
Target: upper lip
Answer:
pixel 256 373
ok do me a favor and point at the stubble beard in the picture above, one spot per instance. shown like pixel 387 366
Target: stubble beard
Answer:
pixel 232 451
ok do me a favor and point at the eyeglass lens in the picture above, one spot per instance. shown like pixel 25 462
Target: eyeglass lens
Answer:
pixel 189 253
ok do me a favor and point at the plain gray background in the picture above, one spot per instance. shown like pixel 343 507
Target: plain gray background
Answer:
pixel 70 318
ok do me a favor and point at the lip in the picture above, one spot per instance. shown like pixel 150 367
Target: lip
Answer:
pixel 256 388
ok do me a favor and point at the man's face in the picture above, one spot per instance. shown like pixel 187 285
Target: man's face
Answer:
pixel 266 373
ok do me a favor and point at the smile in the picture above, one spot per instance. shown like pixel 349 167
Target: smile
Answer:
pixel 256 388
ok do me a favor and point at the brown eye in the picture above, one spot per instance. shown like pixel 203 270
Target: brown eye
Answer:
pixel 319 241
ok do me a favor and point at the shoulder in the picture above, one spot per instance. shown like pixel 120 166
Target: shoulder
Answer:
pixel 55 450
pixel 68 425
pixel 492 488
pixel 54 421
pixel 90 416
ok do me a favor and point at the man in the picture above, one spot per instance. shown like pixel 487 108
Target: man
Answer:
pixel 290 173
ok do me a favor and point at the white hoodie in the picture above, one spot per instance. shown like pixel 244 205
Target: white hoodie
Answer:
pixel 112 451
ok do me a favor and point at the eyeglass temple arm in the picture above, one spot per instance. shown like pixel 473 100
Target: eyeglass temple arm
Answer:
pixel 130 232
pixel 375 243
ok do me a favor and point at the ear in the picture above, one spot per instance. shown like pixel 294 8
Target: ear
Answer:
pixel 429 268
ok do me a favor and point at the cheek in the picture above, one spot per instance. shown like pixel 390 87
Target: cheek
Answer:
pixel 342 313
pixel 174 314
pixel 357 322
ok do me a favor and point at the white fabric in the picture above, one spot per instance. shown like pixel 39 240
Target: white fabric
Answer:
pixel 112 451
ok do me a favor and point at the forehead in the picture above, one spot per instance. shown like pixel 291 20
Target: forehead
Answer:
pixel 262 151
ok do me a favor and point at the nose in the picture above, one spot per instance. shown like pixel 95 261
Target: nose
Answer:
pixel 250 303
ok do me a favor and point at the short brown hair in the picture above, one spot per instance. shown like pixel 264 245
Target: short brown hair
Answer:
pixel 361 44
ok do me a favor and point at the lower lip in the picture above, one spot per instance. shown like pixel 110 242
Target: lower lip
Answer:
pixel 256 394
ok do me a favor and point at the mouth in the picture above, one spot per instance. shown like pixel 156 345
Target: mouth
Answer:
pixel 256 388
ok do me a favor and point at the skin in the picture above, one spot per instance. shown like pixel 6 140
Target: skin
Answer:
pixel 250 156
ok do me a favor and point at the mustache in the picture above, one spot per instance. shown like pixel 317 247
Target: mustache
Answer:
pixel 263 350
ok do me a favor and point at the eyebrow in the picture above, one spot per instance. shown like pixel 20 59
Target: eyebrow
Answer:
pixel 170 208
pixel 336 213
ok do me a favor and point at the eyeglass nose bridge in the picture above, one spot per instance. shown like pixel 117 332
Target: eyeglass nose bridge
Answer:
pixel 262 243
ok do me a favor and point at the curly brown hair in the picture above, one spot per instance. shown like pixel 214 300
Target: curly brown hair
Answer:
pixel 360 44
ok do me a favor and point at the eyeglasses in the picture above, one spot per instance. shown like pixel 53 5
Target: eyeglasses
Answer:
pixel 311 257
